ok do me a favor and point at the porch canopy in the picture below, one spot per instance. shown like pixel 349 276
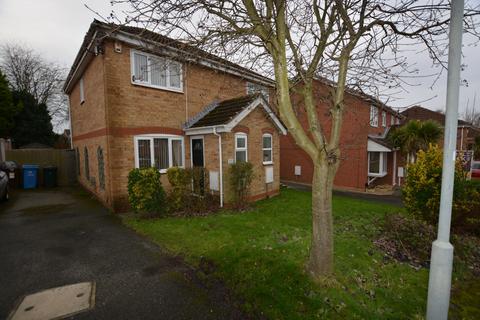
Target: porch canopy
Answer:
pixel 377 145
pixel 223 116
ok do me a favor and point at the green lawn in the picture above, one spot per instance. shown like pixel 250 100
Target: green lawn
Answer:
pixel 260 256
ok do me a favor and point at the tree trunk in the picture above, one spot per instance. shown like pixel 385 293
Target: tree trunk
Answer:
pixel 320 263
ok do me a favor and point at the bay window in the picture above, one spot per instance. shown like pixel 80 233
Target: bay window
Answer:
pixel 267 148
pixel 157 72
pixel 241 146
pixel 159 151
pixel 377 164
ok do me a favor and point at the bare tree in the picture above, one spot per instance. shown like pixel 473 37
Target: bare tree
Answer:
pixel 28 71
pixel 472 114
pixel 361 44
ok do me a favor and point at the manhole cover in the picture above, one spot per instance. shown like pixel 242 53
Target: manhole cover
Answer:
pixel 56 302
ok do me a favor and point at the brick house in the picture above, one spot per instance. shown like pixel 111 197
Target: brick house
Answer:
pixel 139 99
pixel 466 132
pixel 366 157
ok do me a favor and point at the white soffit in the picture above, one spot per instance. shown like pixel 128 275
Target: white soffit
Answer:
pixel 376 147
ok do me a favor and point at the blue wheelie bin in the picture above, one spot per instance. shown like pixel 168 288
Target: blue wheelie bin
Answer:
pixel 30 176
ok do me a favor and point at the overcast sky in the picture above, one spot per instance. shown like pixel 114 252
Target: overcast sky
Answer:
pixel 55 28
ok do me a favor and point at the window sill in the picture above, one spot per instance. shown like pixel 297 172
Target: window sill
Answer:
pixel 267 163
pixel 180 90
pixel 378 175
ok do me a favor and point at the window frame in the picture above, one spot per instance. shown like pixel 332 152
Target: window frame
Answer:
pixel 148 83
pixel 151 137
pixel 392 120
pixel 374 116
pixel 384 118
pixel 243 135
pixel 82 90
pixel 270 149
pixel 252 88
pixel 382 166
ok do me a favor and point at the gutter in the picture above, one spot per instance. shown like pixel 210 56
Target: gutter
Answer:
pixel 67 84
pixel 220 162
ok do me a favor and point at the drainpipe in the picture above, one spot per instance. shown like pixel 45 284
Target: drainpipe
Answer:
pixel 220 162
pixel 461 139
pixel 394 169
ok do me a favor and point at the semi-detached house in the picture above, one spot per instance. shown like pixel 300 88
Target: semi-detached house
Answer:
pixel 139 99
pixel 366 158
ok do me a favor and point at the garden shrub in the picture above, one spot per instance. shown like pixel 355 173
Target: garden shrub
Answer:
pixel 240 178
pixel 180 182
pixel 422 188
pixel 145 192
pixel 189 194
pixel 409 240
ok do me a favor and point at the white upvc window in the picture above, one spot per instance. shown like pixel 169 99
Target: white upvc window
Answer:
pixel 257 88
pixel 241 147
pixel 397 121
pixel 392 119
pixel 384 118
pixel 159 151
pixel 377 164
pixel 373 116
pixel 156 72
pixel 267 148
pixel 82 91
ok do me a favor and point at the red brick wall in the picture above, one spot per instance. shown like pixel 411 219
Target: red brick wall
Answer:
pixel 352 172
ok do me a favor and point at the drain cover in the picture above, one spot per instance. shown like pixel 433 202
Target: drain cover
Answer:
pixel 56 302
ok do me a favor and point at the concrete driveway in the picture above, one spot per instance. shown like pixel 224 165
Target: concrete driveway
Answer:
pixel 55 238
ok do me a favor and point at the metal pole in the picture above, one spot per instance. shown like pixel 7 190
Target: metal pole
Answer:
pixel 440 279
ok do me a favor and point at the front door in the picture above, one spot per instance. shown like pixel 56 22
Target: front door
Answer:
pixel 197 152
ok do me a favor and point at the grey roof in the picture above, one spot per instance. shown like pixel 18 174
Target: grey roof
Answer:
pixel 222 112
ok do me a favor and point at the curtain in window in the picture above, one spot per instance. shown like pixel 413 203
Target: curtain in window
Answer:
pixel 140 67
pixel 158 72
pixel 144 155
pixel 175 73
pixel 267 148
pixel 101 168
pixel 87 166
pixel 177 153
pixel 160 149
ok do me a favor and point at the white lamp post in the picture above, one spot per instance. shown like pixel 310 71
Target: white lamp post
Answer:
pixel 440 279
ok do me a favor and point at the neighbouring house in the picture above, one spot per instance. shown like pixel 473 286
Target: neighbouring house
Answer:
pixel 466 132
pixel 366 157
pixel 140 99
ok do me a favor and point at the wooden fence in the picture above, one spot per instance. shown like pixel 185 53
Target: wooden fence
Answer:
pixel 63 159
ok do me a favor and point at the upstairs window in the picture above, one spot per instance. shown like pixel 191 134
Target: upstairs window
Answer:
pixel 156 72
pixel 257 88
pixel 397 121
pixel 241 145
pixel 267 148
pixel 373 116
pixel 82 91
pixel 392 119
pixel 384 118
pixel 159 151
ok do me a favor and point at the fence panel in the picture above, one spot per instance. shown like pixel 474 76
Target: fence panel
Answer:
pixel 63 159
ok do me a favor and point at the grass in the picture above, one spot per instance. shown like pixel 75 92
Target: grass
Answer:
pixel 260 255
